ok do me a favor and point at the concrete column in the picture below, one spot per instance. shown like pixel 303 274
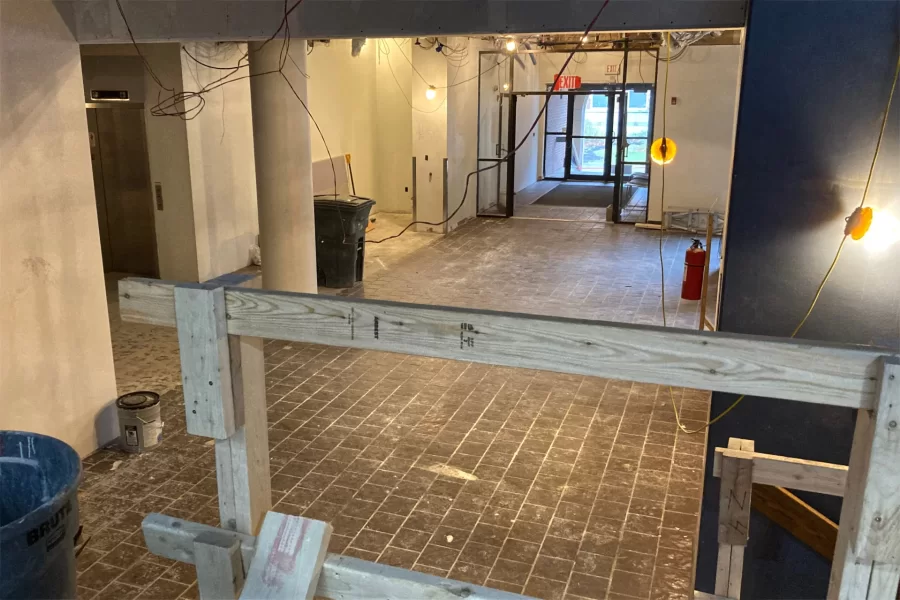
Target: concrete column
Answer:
pixel 56 372
pixel 429 130
pixel 283 169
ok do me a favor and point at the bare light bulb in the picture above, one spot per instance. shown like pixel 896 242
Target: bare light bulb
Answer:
pixel 511 45
pixel 430 93
pixel 585 40
pixel 506 87
pixel 883 233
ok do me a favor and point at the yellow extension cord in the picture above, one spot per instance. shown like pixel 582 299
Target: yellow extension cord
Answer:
pixel 834 262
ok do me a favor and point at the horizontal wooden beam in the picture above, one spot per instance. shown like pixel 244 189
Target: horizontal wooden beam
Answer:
pixel 797 518
pixel 342 577
pixel 815 372
pixel 791 473
pixel 698 595
pixel 348 577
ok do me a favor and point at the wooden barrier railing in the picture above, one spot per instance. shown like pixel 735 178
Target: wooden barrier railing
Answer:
pixel 796 517
pixel 219 331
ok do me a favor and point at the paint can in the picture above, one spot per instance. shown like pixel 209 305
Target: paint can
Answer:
pixel 140 426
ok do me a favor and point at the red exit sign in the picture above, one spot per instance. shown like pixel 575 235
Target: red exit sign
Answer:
pixel 567 82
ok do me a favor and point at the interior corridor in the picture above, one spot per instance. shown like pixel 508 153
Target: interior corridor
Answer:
pixel 558 486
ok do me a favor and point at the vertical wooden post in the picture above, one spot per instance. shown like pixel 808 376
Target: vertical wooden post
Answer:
pixel 703 290
pixel 220 568
pixel 866 562
pixel 736 486
pixel 205 373
pixel 242 460
pixel 224 380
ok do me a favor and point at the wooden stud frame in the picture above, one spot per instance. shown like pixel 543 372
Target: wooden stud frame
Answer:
pixel 223 326
pixel 834 374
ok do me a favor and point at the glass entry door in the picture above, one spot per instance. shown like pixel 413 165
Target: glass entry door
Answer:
pixel 593 140
pixel 635 182
pixel 581 139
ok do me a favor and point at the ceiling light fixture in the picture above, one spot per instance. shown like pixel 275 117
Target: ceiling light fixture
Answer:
pixel 506 87
pixel 431 92
pixel 511 45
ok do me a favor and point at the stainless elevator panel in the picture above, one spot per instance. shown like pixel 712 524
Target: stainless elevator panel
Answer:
pixel 122 185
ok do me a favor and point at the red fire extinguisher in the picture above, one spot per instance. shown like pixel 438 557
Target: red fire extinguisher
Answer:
pixel 694 259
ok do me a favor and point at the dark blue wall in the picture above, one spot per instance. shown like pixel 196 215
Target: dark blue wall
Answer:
pixel 815 81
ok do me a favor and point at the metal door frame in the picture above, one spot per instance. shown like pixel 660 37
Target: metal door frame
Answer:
pixel 620 151
pixel 498 158
pixel 591 90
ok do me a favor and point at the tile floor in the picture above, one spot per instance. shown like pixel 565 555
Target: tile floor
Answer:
pixel 552 485
pixel 562 268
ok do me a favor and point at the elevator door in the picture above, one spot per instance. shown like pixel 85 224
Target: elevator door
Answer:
pixel 122 186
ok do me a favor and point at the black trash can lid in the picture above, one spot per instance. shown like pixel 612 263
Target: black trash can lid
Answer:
pixel 137 400
pixel 339 201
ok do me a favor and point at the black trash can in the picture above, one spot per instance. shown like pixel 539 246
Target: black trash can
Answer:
pixel 341 239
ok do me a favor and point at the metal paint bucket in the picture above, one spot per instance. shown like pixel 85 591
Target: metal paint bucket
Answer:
pixel 140 426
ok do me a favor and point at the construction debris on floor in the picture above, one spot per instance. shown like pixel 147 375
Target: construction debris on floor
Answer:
pixel 552 485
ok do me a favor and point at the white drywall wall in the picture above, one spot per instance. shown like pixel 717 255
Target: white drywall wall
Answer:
pixel 491 185
pixel 526 78
pixel 429 129
pixel 167 148
pixel 592 67
pixel 393 126
pixel 462 129
pixel 342 99
pixel 57 374
pixel 704 82
pixel 222 168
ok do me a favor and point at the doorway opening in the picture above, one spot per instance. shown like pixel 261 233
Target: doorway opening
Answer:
pixel 593 139
pixel 582 134
pixel 121 168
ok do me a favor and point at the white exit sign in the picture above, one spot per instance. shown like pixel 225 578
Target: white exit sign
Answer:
pixel 612 69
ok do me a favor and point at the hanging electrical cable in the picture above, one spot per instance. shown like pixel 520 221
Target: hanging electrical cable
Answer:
pixel 168 107
pixel 848 231
pixel 430 92
pixel 511 153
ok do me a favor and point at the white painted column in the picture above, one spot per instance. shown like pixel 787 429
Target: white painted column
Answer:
pixel 429 130
pixel 283 155
pixel 56 372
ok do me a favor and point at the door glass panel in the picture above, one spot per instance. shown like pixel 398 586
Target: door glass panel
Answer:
pixel 492 187
pixel 492 124
pixel 588 156
pixel 557 114
pixel 590 128
pixel 615 116
pixel 636 150
pixel 555 155
pixel 638 122
pixel 633 190
pixel 596 114
pixel 555 128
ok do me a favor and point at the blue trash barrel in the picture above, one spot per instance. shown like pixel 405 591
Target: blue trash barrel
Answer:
pixel 39 477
